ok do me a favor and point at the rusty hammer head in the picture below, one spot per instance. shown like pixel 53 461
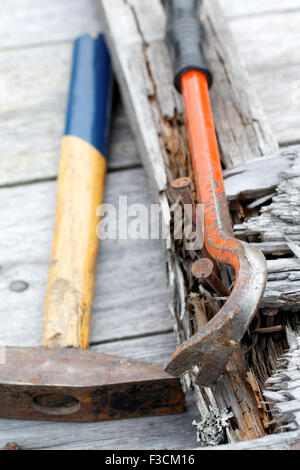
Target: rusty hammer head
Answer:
pixel 76 385
pixel 70 383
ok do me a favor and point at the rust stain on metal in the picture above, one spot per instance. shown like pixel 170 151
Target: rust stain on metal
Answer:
pixel 76 385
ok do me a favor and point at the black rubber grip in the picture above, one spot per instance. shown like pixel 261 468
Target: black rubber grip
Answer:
pixel 184 37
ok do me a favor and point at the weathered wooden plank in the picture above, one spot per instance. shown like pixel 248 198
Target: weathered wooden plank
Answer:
pixel 281 218
pixel 283 286
pixel 283 388
pixel 160 432
pixel 33 93
pixel 234 9
pixel 154 348
pixel 277 34
pixel 245 130
pixel 131 296
pixel 142 67
pixel 273 248
pixel 33 23
pixel 268 46
pixel 260 176
pixel 279 221
pixel 284 83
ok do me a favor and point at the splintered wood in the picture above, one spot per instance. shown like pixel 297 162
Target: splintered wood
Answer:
pixel 135 35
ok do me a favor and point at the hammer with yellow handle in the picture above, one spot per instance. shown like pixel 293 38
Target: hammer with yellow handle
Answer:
pixel 61 381
pixel 80 191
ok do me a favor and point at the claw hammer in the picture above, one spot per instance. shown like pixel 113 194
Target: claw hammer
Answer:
pixel 211 347
pixel 62 380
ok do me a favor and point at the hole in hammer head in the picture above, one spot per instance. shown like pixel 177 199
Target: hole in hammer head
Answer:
pixel 56 404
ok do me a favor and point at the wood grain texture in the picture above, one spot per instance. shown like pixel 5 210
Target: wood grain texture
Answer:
pixel 284 84
pixel 241 125
pixel 281 218
pixel 283 387
pixel 57 20
pixel 152 348
pixel 70 286
pixel 267 44
pixel 259 177
pixel 268 30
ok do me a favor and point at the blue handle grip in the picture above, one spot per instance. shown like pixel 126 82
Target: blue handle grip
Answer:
pixel 90 93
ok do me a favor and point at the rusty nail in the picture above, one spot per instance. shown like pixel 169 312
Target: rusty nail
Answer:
pixel 181 183
pixel 270 312
pixel 271 329
pixel 204 269
pixel 12 446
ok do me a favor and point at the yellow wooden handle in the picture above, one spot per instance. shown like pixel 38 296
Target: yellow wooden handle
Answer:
pixel 68 305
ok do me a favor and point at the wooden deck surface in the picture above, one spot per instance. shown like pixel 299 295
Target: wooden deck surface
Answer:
pixel 130 315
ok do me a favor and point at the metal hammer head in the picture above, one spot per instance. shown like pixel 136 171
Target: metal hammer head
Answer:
pixel 76 385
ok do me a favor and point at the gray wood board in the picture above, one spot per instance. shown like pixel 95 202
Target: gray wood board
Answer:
pixel 131 297
pixel 278 36
pixel 153 348
pixel 283 387
pixel 279 91
pixel 33 92
pixel 279 221
pixel 34 22
pixel 268 45
pixel 260 176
